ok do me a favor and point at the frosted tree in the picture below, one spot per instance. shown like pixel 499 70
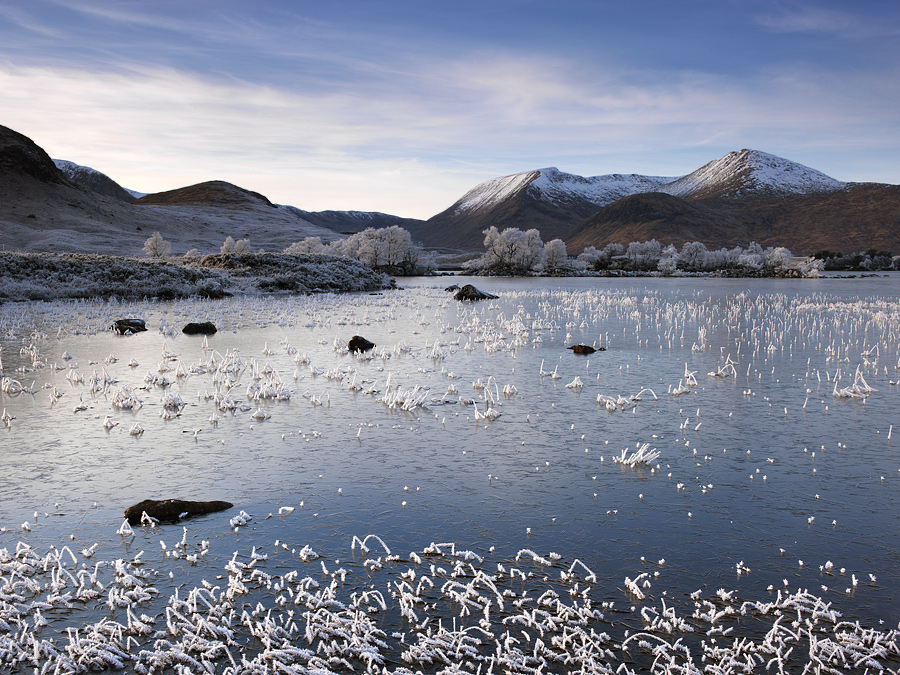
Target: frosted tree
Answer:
pixel 668 260
pixel 693 256
pixel 555 256
pixel 307 246
pixel 157 247
pixel 387 249
pixel 644 255
pixel 232 246
pixel 753 257
pixel 511 252
pixel 778 258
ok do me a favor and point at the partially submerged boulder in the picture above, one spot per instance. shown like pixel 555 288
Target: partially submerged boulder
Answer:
pixel 469 293
pixel 359 344
pixel 172 509
pixel 201 328
pixel 585 349
pixel 129 326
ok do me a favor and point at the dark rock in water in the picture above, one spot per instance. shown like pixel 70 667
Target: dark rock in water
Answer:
pixel 129 326
pixel 172 509
pixel 451 288
pixel 203 328
pixel 585 349
pixel 359 344
pixel 469 293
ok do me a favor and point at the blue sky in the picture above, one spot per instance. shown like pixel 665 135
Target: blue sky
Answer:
pixel 403 106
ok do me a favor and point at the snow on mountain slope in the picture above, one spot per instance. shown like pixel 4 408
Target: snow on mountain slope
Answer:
pixel 94 180
pixel 556 185
pixel 494 191
pixel 551 184
pixel 751 171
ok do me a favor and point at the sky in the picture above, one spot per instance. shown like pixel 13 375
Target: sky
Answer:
pixel 402 106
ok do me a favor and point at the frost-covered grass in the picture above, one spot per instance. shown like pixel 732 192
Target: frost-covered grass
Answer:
pixel 51 276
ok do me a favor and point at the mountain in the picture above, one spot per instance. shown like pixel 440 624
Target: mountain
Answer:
pixel 234 211
pixel 753 196
pixel 92 179
pixel 552 201
pixel 350 222
pixel 744 196
pixel 43 209
pixel 751 173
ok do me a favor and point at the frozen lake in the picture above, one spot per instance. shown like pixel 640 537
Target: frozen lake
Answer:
pixel 771 404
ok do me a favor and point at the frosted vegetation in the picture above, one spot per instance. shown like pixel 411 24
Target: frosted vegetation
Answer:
pixel 49 276
pixel 513 252
pixel 387 249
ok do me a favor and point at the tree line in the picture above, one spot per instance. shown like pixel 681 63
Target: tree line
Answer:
pixel 514 252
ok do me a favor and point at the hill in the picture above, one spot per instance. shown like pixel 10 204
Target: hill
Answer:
pixel 43 209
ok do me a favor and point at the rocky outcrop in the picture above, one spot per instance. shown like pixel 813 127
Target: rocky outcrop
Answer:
pixel 585 349
pixel 200 328
pixel 172 509
pixel 129 326
pixel 359 344
pixel 469 293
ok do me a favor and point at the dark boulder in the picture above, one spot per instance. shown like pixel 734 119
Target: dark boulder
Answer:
pixel 585 349
pixel 202 328
pixel 172 509
pixel 129 326
pixel 452 288
pixel 469 293
pixel 359 344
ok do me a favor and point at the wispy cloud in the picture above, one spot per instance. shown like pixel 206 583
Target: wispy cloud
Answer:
pixel 23 19
pixel 409 137
pixel 811 19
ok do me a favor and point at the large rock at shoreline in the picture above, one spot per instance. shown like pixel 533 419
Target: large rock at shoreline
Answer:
pixel 172 509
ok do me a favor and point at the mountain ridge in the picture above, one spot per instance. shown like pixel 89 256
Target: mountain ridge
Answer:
pixel 744 195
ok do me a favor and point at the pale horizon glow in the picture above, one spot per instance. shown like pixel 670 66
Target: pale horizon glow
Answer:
pixel 402 107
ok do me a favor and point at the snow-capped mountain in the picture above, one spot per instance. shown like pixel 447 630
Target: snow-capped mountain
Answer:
pixel 94 180
pixel 548 199
pixel 554 185
pixel 748 173
pixel 557 203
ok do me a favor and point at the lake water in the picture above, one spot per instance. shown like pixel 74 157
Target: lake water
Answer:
pixel 782 451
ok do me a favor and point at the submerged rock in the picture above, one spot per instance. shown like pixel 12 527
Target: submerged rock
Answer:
pixel 172 509
pixel 129 326
pixel 585 349
pixel 359 344
pixel 202 328
pixel 469 293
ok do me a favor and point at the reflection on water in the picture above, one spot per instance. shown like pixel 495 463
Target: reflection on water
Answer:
pixel 760 466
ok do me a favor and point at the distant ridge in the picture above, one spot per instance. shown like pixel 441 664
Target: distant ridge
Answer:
pixel 209 192
pixel 92 179
pixel 744 196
